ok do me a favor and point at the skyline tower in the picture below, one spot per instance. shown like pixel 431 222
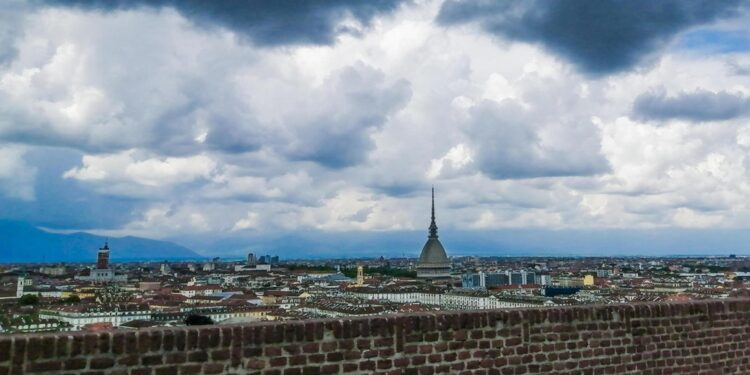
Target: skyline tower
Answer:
pixel 433 261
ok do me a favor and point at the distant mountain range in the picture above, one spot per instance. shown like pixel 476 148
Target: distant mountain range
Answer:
pixel 22 242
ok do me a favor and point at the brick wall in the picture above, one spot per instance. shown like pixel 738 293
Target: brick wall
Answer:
pixel 671 338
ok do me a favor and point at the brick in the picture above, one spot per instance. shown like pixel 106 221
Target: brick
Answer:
pixel 316 358
pixel 74 364
pixel 5 346
pixel 44 366
pixel 220 355
pixel 155 340
pixel 47 347
pixel 330 369
pixel 277 362
pixel 101 363
pixel 104 343
pixel 190 369
pixel 144 341
pixel 335 357
pixel 198 356
pixel 328 346
pixel 128 360
pixel 213 368
pixel 297 360
pixel 168 370
pixel 175 358
pixel 255 364
pixel 152 360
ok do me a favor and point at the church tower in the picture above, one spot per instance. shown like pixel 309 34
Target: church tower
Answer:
pixel 360 276
pixel 102 257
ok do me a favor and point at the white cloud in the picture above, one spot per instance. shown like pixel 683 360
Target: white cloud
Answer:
pixel 144 169
pixel 688 218
pixel 249 222
pixel 451 163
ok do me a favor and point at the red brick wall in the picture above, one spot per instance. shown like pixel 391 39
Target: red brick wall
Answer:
pixel 670 338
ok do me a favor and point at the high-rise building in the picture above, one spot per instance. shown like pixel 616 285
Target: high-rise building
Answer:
pixel 545 280
pixel 251 260
pixel 472 280
pixel 496 279
pixel 433 262
pixel 516 278
pixel 531 278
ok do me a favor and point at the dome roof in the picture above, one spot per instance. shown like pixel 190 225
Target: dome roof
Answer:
pixel 433 262
pixel 433 254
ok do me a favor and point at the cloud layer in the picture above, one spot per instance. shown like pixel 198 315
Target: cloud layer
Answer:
pixel 219 123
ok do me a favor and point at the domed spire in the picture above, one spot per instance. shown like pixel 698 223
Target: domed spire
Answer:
pixel 433 226
pixel 433 261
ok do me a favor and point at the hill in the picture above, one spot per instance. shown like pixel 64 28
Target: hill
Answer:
pixel 24 243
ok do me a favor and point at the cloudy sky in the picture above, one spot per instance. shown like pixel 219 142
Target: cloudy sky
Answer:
pixel 221 123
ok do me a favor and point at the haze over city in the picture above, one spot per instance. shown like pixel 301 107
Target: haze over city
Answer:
pixel 316 129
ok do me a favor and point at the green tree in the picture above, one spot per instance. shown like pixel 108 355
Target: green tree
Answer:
pixel 73 299
pixel 28 299
pixel 198 320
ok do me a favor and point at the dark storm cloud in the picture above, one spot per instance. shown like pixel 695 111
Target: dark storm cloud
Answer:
pixel 267 23
pixel 600 37
pixel 701 105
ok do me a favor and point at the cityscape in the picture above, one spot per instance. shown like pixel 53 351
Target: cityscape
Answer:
pixel 105 296
pixel 374 187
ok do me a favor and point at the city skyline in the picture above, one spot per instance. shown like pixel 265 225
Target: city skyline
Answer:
pixel 374 187
pixel 321 126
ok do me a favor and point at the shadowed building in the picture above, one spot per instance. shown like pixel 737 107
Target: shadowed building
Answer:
pixel 433 262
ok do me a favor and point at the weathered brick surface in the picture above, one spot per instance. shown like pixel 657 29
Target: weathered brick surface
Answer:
pixel 709 337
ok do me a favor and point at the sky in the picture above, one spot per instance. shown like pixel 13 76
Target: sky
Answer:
pixel 237 125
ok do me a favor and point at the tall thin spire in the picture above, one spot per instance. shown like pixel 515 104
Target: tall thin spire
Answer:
pixel 433 226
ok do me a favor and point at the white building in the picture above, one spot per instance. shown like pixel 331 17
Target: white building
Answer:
pixel 79 318
pixel 449 301
pixel 103 276
pixel 254 268
pixel 200 290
